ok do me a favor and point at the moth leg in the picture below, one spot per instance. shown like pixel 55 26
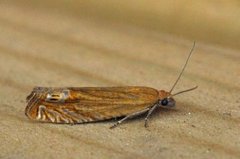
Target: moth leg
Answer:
pixel 149 113
pixel 129 116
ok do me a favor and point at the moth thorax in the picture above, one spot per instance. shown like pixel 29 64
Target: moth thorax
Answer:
pixel 163 94
pixel 59 96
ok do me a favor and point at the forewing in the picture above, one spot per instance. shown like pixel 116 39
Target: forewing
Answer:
pixel 97 103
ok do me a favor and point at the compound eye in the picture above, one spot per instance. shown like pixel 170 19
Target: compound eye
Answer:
pixel 164 102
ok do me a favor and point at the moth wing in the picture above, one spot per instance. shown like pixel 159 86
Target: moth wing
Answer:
pixel 95 104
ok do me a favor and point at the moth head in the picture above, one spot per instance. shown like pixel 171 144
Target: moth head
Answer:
pixel 166 99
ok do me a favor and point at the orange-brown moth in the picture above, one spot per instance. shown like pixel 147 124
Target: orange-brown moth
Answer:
pixel 88 104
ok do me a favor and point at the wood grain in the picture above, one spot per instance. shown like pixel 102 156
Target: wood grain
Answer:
pixel 56 44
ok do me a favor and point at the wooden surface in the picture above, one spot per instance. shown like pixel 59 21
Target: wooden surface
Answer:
pixel 42 44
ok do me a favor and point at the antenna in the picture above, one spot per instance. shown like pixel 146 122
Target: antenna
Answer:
pixel 183 68
pixel 187 90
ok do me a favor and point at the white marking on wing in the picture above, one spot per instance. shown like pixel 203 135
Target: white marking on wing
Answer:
pixel 40 115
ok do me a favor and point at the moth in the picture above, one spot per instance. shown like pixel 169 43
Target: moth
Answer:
pixel 75 105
